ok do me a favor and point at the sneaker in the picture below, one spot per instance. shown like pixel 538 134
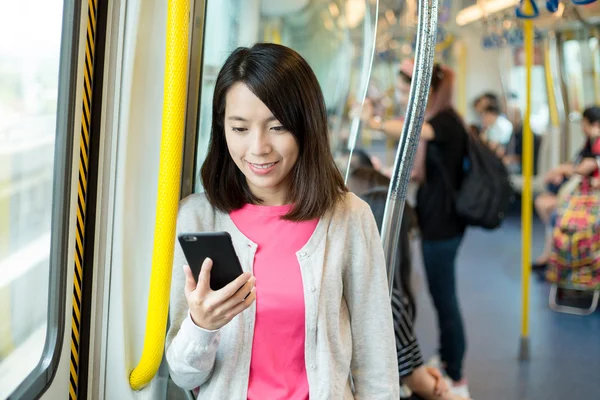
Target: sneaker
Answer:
pixel 461 389
pixel 405 392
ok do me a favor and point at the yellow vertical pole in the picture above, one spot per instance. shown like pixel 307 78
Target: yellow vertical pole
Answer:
pixel 169 179
pixel 553 107
pixel 526 199
pixel 461 98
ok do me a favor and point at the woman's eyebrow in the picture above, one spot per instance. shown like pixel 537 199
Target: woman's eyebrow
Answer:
pixel 242 119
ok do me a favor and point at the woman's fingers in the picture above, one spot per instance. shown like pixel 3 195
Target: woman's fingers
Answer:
pixel 238 297
pixel 204 276
pixel 190 282
pixel 233 287
pixel 241 307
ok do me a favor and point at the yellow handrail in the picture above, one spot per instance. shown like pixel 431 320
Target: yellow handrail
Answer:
pixel 553 107
pixel 169 180
pixel 526 199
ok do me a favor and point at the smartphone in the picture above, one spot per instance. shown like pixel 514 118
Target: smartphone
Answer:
pixel 219 248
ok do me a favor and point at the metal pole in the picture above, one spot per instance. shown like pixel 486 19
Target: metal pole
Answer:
pixel 364 84
pixel 411 132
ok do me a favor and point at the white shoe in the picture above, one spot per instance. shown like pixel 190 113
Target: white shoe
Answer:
pixel 460 390
pixel 405 392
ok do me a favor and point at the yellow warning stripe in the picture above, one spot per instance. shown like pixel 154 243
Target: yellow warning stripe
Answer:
pixel 82 182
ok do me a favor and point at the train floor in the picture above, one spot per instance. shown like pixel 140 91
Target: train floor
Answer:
pixel 564 349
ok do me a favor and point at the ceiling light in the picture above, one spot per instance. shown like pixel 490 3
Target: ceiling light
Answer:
pixel 482 9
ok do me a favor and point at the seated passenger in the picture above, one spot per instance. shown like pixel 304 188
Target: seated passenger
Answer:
pixel 483 101
pixel 497 128
pixel 426 382
pixel 322 324
pixel 584 164
pixel 512 157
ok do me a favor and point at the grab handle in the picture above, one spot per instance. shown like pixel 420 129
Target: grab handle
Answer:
pixel 169 181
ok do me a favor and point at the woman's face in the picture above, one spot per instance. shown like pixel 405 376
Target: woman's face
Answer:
pixel 403 92
pixel 259 145
pixel 590 129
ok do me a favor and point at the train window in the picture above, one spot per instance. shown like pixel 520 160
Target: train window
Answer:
pixel 540 113
pixel 29 98
pixel 336 38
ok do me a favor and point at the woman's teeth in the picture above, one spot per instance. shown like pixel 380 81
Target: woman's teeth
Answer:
pixel 263 166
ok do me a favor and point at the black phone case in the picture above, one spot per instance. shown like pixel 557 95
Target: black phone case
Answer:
pixel 219 248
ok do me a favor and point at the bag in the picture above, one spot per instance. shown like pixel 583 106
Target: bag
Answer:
pixel 485 192
pixel 575 258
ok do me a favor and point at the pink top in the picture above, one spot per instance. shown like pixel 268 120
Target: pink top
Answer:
pixel 277 367
pixel 596 153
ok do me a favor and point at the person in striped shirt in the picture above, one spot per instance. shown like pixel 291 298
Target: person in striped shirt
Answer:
pixel 420 382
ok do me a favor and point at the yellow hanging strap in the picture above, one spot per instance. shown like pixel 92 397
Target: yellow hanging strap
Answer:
pixel 526 199
pixel 169 179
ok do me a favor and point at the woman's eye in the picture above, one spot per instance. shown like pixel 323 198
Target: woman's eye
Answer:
pixel 278 128
pixel 236 129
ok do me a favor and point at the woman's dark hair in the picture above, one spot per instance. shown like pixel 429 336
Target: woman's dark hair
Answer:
pixel 375 195
pixel 286 84
pixel 592 114
pixel 437 76
pixel 474 130
pixel 360 158
pixel 492 108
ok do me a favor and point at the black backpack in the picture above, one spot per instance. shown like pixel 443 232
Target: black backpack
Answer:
pixel 485 192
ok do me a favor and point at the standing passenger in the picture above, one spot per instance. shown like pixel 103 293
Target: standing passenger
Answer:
pixel 444 137
pixel 311 315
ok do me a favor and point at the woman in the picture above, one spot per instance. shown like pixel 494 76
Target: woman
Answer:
pixel 424 382
pixel 442 145
pixel 584 164
pixel 300 322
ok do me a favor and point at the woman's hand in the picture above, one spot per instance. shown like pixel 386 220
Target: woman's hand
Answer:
pixel 212 310
pixel 554 176
pixel 441 387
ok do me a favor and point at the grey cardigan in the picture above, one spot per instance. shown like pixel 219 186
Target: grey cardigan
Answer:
pixel 350 350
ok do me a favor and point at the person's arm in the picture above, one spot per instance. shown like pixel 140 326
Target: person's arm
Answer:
pixel 197 312
pixel 393 128
pixel 374 368
pixel 190 350
pixel 586 167
pixel 410 360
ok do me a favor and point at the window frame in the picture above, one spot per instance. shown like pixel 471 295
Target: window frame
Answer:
pixel 40 379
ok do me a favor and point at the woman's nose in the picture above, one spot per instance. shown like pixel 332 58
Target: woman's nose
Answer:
pixel 260 143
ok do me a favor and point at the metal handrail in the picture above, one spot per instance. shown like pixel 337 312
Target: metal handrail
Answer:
pixel 355 125
pixel 411 132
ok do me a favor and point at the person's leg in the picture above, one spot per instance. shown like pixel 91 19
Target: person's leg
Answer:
pixel 545 205
pixel 439 259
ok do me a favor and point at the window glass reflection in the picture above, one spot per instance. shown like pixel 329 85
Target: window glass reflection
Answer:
pixel 29 63
pixel 335 38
